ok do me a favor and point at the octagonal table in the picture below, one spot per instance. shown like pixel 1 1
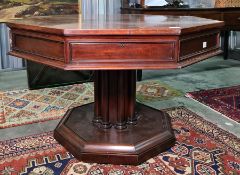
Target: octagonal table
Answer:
pixel 115 129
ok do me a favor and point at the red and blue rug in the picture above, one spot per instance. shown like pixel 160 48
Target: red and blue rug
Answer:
pixel 201 148
pixel 224 100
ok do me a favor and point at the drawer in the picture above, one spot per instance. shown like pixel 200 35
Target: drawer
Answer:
pixel 122 52
pixel 198 44
pixel 50 49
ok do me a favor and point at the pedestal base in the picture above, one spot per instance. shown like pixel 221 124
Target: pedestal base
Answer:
pixel 137 143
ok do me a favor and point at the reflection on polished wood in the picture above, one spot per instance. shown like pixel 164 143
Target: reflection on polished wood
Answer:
pixel 115 129
pixel 230 16
pixel 123 33
pixel 114 25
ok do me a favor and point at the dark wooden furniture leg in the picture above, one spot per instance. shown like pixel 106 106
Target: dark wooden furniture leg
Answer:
pixel 42 76
pixel 226 39
pixel 115 129
pixel 139 75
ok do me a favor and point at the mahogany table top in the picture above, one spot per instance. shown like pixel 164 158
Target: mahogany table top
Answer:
pixel 123 24
pixel 122 41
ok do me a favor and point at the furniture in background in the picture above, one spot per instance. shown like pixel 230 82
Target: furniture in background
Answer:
pixel 115 129
pixel 42 76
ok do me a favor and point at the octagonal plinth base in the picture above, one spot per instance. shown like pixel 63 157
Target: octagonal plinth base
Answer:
pixel 137 143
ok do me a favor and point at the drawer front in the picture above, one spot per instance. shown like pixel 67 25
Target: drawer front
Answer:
pixel 50 49
pixel 196 45
pixel 122 52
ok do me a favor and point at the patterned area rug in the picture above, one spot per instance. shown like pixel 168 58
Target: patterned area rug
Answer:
pixel 201 148
pixel 29 106
pixel 155 91
pixel 224 100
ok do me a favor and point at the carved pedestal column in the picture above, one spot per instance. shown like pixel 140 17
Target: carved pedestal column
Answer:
pixel 115 98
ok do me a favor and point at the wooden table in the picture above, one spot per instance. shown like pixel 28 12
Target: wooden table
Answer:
pixel 115 129
pixel 230 15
